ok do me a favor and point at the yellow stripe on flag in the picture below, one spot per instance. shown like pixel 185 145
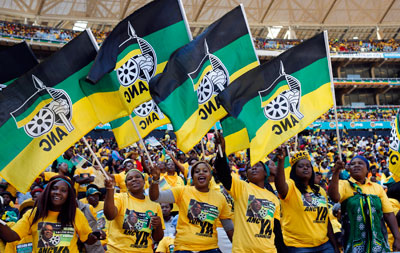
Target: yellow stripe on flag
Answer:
pixel 266 139
pixel 127 57
pixel 104 111
pixel 84 119
pixel 28 118
pixel 241 71
pixel 280 89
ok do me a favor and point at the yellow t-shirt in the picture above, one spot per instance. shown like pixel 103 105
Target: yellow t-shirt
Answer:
pixel 120 181
pixel 165 245
pixel 60 239
pixel 198 212
pixel 125 235
pixel 255 211
pixel 304 217
pixel 346 191
pixel 21 246
pixel 83 173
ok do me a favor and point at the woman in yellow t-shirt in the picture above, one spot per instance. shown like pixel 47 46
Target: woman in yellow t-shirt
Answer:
pixel 135 221
pixel 55 222
pixel 305 220
pixel 257 209
pixel 371 206
pixel 199 208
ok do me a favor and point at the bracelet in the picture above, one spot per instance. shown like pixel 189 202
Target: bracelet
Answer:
pixel 155 181
pixel 111 188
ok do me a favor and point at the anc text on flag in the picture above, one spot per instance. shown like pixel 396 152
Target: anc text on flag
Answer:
pixel 394 147
pixel 15 61
pixel 146 116
pixel 45 112
pixel 235 134
pixel 281 97
pixel 198 71
pixel 137 49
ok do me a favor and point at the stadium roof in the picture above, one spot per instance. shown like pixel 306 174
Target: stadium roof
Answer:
pixel 344 19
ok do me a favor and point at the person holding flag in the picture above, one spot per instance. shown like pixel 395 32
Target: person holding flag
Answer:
pixel 365 208
pixel 257 209
pixel 305 220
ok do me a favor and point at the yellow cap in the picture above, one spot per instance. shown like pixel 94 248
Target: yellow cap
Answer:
pixel 299 156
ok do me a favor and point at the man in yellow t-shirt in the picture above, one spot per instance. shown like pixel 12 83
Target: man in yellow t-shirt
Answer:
pixel 83 176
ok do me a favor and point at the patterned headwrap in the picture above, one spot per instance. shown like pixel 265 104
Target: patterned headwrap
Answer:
pixel 299 156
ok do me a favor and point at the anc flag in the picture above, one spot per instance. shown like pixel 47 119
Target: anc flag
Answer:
pixel 282 97
pixel 146 116
pixel 235 134
pixel 14 62
pixel 197 72
pixel 394 151
pixel 44 112
pixel 136 50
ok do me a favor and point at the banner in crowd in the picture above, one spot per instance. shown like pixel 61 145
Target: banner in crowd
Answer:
pixel 281 97
pixel 197 72
pixel 14 62
pixel 45 112
pixel 137 49
pixel 146 116
pixel 394 151
pixel 235 134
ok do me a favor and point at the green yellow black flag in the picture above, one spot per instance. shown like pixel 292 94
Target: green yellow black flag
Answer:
pixel 394 152
pixel 198 71
pixel 235 134
pixel 136 50
pixel 282 97
pixel 44 112
pixel 14 62
pixel 146 116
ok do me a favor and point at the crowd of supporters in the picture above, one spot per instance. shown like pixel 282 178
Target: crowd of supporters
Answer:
pixel 49 34
pixel 334 44
pixel 351 114
pixel 22 31
pixel 208 202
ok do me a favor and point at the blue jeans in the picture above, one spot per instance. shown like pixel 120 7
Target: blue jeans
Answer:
pixel 203 251
pixel 324 248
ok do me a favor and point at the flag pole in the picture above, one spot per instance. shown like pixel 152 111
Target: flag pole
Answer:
pixel 202 149
pixel 141 140
pixel 185 20
pixel 333 93
pixel 95 157
pixel 295 142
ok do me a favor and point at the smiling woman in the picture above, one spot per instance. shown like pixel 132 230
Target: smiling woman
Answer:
pixel 199 208
pixel 52 221
pixel 136 221
pixel 365 209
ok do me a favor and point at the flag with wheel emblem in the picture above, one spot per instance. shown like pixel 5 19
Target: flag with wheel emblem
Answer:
pixel 146 116
pixel 281 97
pixel 44 112
pixel 137 49
pixel 14 62
pixel 198 71
pixel 394 147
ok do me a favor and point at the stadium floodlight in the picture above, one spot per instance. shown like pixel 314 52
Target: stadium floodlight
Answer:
pixel 273 32
pixel 80 26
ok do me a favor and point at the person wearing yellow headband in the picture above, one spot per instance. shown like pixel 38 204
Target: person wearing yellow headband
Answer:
pixel 305 220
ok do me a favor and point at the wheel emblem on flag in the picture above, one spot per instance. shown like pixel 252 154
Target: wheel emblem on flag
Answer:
pixel 140 66
pixel 278 106
pixel 394 142
pixel 57 112
pixel 143 110
pixel 213 81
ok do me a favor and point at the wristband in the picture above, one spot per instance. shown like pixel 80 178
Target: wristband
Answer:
pixel 155 181
pixel 110 188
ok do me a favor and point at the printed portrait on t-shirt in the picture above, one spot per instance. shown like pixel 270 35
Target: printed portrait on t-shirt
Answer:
pixel 136 221
pixel 199 211
pixel 52 235
pixel 260 208
pixel 312 200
